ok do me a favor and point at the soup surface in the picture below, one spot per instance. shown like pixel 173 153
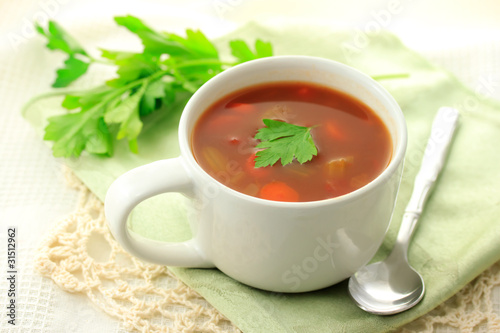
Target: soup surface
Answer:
pixel 353 144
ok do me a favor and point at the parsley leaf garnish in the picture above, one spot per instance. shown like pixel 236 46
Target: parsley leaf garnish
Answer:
pixel 78 60
pixel 284 141
pixel 167 71
pixel 74 132
pixel 242 51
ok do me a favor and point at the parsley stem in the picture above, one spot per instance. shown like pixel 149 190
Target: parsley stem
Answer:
pixel 201 62
pixel 101 61
pixel 98 109
pixel 391 76
pixel 114 94
pixel 135 83
pixel 48 94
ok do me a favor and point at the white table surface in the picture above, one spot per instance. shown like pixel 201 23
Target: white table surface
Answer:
pixel 462 36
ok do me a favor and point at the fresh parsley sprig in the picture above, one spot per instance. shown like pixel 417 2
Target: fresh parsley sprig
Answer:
pixel 283 141
pixel 170 67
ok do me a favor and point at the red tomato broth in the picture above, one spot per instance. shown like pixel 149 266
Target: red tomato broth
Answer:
pixel 354 146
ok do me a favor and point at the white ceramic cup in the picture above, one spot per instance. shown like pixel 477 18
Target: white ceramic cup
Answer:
pixel 277 246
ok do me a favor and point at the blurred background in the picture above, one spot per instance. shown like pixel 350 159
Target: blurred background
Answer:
pixel 462 36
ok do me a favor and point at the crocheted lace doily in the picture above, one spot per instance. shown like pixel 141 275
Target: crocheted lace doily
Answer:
pixel 148 298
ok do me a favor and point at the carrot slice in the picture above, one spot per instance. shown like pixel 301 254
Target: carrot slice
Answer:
pixel 279 191
pixel 334 131
pixel 241 107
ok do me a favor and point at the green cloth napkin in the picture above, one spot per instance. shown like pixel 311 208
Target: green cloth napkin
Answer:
pixel 458 234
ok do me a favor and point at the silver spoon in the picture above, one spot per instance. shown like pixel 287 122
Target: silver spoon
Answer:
pixel 392 286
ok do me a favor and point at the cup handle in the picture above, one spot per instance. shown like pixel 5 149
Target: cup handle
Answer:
pixel 141 183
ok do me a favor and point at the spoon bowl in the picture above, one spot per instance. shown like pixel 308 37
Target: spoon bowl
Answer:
pixel 387 287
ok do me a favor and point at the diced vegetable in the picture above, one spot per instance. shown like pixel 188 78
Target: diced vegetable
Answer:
pixel 336 168
pixel 234 140
pixel 251 189
pixel 228 172
pixel 215 159
pixel 334 131
pixel 277 112
pixel 359 181
pixel 279 191
pixel 299 170
pixel 331 187
pixel 242 107
pixel 236 178
pixel 256 172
